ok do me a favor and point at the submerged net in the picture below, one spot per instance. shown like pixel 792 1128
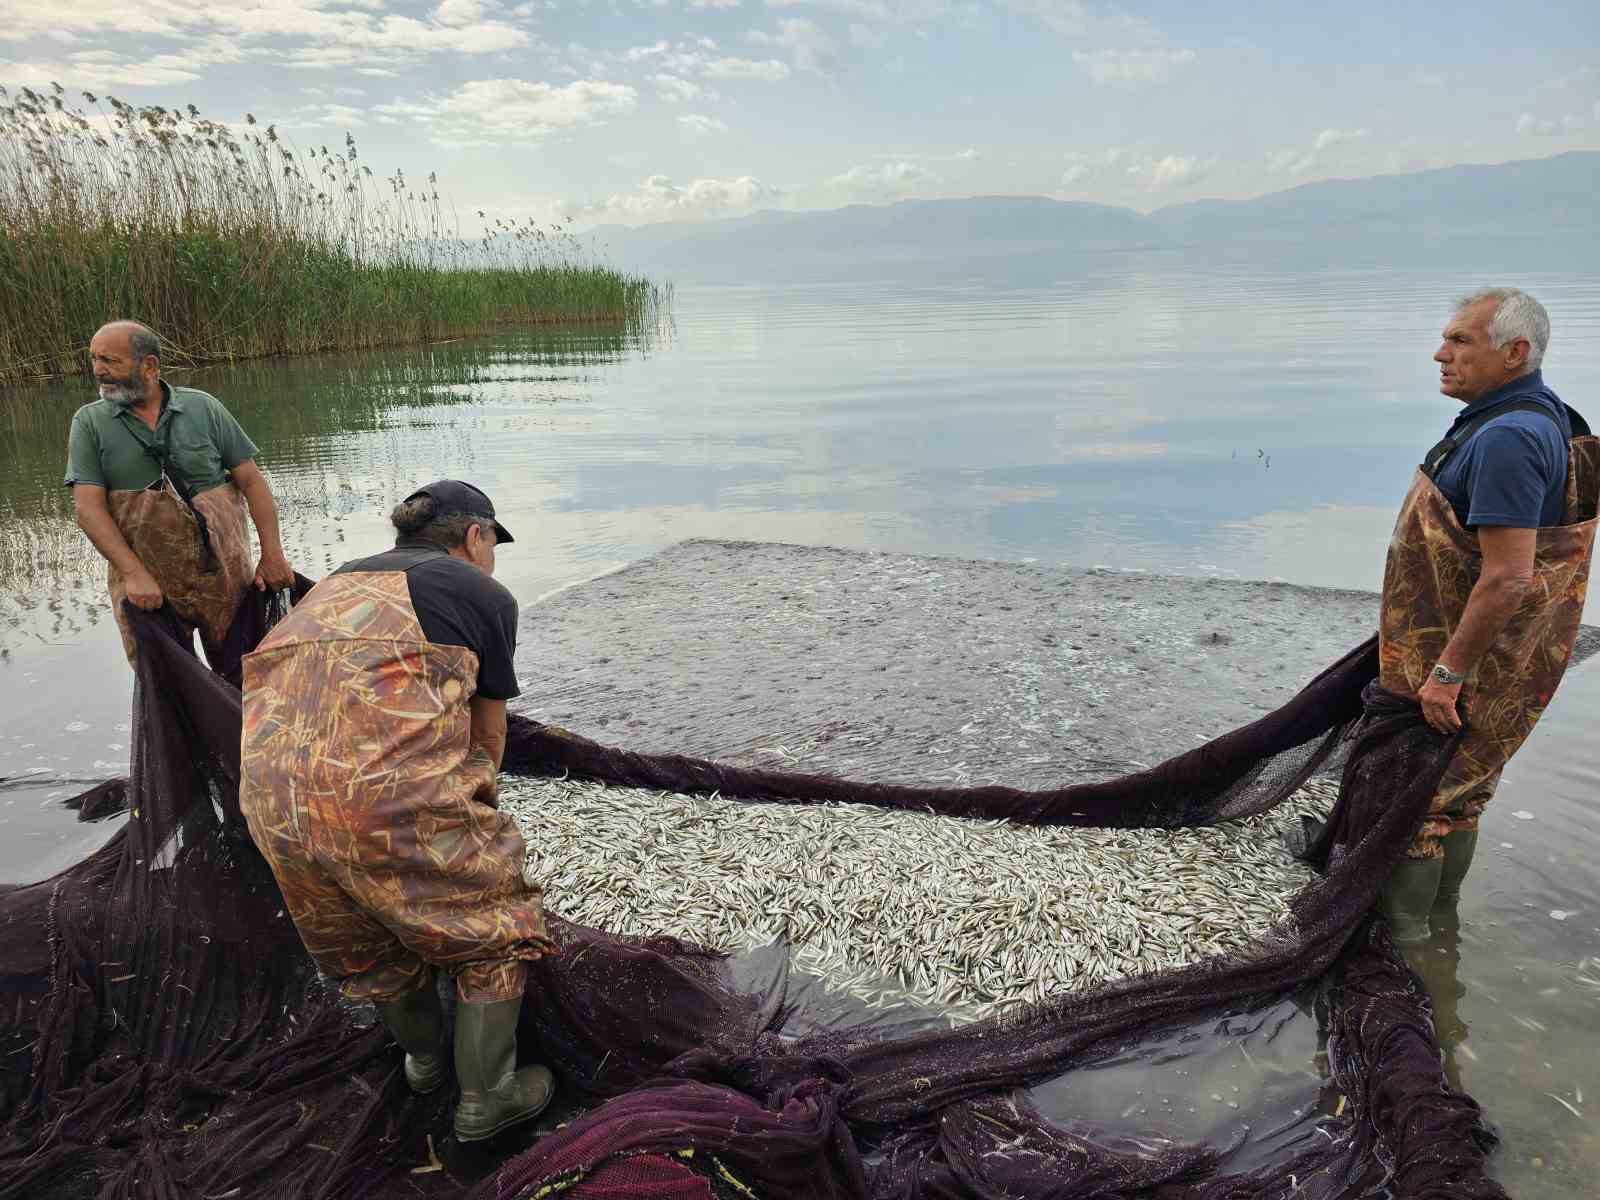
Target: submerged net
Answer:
pixel 163 1034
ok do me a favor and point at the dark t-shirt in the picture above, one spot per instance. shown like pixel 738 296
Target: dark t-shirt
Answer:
pixel 457 605
pixel 1513 471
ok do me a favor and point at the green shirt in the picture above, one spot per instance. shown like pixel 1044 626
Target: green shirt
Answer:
pixel 203 441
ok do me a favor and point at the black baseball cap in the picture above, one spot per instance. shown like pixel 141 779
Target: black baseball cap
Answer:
pixel 453 496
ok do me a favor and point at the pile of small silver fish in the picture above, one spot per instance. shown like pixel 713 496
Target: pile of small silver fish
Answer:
pixel 967 917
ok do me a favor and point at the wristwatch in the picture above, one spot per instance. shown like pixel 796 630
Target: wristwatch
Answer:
pixel 1445 675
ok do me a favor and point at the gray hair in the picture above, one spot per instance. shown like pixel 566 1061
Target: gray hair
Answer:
pixel 1516 315
pixel 143 343
pixel 418 520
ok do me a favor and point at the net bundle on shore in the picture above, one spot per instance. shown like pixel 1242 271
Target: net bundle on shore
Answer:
pixel 163 1033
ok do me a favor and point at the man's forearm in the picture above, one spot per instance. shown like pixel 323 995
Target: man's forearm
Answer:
pixel 489 728
pixel 264 512
pixel 494 743
pixel 1490 607
pixel 103 533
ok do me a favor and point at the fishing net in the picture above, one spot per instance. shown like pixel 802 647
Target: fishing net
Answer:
pixel 163 1034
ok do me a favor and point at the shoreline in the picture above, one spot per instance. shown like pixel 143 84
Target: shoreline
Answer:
pixel 904 668
pixel 892 667
pixel 189 363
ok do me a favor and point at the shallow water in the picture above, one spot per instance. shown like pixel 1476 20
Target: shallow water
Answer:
pixel 1137 413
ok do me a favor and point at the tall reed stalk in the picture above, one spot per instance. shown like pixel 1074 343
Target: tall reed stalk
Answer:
pixel 231 245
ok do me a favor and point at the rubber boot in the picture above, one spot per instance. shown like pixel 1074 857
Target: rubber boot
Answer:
pixel 417 1022
pixel 494 1094
pixel 1408 896
pixel 1458 851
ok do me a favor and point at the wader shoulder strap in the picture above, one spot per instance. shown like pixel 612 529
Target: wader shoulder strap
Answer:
pixel 1436 458
pixel 401 558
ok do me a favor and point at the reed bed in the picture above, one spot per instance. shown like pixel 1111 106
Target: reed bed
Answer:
pixel 232 244
pixel 895 908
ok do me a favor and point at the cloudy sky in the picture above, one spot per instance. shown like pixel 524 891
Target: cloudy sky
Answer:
pixel 648 110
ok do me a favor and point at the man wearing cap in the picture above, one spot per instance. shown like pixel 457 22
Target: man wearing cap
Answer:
pixel 374 725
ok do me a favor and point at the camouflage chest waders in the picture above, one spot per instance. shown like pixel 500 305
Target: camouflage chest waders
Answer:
pixel 1432 566
pixel 361 789
pixel 204 590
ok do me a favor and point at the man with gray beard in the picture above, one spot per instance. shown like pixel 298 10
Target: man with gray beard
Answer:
pixel 161 478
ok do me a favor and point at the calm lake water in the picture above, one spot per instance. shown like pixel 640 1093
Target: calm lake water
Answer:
pixel 1135 413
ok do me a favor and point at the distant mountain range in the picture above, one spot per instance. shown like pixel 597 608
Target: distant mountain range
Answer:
pixel 1545 208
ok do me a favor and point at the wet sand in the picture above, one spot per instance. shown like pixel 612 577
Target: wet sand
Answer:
pixel 905 668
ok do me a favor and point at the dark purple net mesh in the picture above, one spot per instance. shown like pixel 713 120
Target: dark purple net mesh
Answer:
pixel 162 1033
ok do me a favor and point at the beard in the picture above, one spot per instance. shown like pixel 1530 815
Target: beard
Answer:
pixel 124 393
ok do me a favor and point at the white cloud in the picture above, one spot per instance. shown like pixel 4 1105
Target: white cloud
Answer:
pixel 1132 66
pixel 99 68
pixel 512 109
pixel 637 54
pixel 770 70
pixel 1529 125
pixel 693 57
pixel 1329 138
pixel 1177 170
pixel 809 47
pixel 339 116
pixel 334 32
pixel 1081 165
pixel 1170 172
pixel 459 12
pixel 1298 162
pixel 896 12
pixel 324 58
pixel 1290 162
pixel 882 181
pixel 960 156
pixel 157 71
pixel 699 125
pixel 675 90
pixel 714 3
pixel 658 198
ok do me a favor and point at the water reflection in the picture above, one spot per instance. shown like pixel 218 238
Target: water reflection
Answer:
pixel 1246 1078
pixel 334 432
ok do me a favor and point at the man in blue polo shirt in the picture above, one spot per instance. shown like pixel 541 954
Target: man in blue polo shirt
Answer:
pixel 1460 605
pixel 1512 472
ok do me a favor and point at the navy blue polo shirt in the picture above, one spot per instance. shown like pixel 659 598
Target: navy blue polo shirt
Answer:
pixel 1513 471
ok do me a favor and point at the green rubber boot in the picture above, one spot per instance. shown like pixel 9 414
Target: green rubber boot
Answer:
pixel 417 1022
pixel 1408 897
pixel 494 1094
pixel 1458 851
